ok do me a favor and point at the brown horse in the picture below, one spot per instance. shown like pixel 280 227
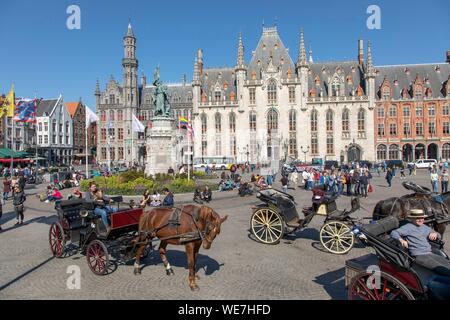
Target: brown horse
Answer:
pixel 190 225
pixel 400 206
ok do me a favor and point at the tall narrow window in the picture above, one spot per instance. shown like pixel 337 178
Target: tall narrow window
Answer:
pixel 329 120
pixel 406 129
pixel 419 129
pixel 272 92
pixel 419 111
pixel 380 112
pixel 291 94
pixel 431 128
pixel 381 130
pixel 393 111
pixel 314 116
pixel 218 119
pixel 330 144
pixel 345 121
pixel 252 120
pixel 204 124
pixel 393 152
pixel 393 129
pixel 119 115
pixel 335 87
pixel 431 110
pixel 381 152
pixel 252 96
pixel 361 120
pixel 292 133
pixel 204 135
pixel 272 130
pixel 314 144
pixel 232 121
pixel 111 115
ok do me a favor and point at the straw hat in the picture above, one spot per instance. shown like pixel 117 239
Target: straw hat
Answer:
pixel 416 214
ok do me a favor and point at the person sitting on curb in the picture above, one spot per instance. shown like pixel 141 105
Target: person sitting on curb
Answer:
pixel 415 236
pixel 168 200
pixel 207 194
pixel 54 196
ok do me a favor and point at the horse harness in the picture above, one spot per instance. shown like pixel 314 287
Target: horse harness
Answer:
pixel 174 222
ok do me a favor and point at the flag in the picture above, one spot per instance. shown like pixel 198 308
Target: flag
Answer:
pixel 137 125
pixel 90 116
pixel 182 122
pixel 7 107
pixel 190 128
pixel 25 110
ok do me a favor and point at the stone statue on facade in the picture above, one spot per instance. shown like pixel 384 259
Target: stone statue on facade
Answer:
pixel 160 97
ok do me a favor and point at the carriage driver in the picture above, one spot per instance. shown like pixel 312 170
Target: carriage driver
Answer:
pixel 100 202
pixel 414 236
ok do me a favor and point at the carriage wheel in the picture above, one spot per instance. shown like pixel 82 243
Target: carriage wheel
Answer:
pixel 97 257
pixel 56 239
pixel 336 237
pixel 267 226
pixel 388 288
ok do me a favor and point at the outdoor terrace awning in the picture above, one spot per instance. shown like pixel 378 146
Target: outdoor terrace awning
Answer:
pixel 6 160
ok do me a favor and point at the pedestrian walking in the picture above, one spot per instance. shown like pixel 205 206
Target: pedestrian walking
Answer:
pixel 444 180
pixel 284 183
pixel 6 189
pixel 389 177
pixel 18 201
pixel 402 173
pixel 364 183
pixel 434 180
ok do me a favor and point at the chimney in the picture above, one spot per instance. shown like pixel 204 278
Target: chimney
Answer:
pixel 360 52
pixel 448 56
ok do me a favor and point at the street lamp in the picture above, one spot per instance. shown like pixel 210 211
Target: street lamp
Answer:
pixel 248 152
pixel 305 151
pixel 285 148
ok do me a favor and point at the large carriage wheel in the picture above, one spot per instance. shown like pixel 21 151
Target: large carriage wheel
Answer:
pixel 267 226
pixel 56 239
pixel 97 257
pixel 362 287
pixel 337 237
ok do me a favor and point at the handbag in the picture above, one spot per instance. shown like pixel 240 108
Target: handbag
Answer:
pixel 370 189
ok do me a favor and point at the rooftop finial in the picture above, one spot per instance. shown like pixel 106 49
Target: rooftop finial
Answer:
pixel 310 55
pixel 302 54
pixel 240 58
pixel 130 29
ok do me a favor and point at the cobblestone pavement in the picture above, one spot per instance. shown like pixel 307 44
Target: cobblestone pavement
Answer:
pixel 236 267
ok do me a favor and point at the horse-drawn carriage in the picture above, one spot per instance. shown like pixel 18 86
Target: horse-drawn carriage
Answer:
pixel 391 273
pixel 277 216
pixel 79 229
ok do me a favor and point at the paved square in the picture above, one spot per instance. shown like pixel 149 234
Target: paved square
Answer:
pixel 236 267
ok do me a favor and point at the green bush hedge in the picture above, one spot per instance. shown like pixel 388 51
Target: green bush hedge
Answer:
pixel 116 185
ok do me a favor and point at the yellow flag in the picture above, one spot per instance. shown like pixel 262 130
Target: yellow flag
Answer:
pixel 9 103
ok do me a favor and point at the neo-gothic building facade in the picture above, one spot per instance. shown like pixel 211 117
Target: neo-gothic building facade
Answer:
pixel 271 107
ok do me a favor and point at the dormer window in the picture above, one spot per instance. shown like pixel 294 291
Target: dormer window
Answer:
pixel 335 87
pixel 253 75
pixel 406 70
pixel 225 85
pixel 217 95
pixel 317 80
pixel 386 93
pixel 418 93
pixel 276 46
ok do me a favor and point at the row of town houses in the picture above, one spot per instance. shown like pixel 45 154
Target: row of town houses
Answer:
pixel 58 137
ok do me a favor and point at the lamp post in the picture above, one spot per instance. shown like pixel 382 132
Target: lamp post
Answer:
pixel 305 151
pixel 248 153
pixel 285 149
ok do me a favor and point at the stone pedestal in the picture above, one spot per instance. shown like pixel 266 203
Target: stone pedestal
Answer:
pixel 161 146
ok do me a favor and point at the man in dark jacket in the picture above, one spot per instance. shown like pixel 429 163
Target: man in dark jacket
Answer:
pixel 389 176
pixel 364 183
pixel 18 200
pixel 168 200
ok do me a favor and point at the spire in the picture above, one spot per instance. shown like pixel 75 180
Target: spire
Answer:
pixel 369 56
pixel 196 72
pixel 302 54
pixel 240 59
pixel 200 61
pixel 360 52
pixel 130 31
pixel 97 88
pixel 143 79
pixel 310 55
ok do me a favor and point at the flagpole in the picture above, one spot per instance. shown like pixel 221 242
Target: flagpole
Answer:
pixel 132 139
pixel 189 147
pixel 108 154
pixel 86 137
pixel 36 136
pixel 12 133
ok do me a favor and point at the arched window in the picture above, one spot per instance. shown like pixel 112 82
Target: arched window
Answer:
pixel 329 120
pixel 272 129
pixel 218 119
pixel 111 115
pixel 393 152
pixel 204 123
pixel 381 152
pixel 272 92
pixel 232 121
pixel 361 120
pixel 292 120
pixel 103 115
pixel 446 151
pixel 119 115
pixel 314 116
pixel 252 120
pixel 345 120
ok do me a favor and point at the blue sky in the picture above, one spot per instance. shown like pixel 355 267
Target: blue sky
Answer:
pixel 44 58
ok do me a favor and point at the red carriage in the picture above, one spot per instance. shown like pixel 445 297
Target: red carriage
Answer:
pixel 79 229
pixel 391 273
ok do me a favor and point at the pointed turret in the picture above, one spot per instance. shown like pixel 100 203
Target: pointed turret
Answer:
pixel 130 31
pixel 369 58
pixel 301 61
pixel 240 57
pixel 200 61
pixel 97 88
pixel 360 52
pixel 310 55
pixel 143 79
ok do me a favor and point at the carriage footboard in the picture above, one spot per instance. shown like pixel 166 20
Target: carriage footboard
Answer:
pixel 358 265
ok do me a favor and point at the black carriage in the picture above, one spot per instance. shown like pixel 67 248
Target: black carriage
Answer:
pixel 79 229
pixel 391 273
pixel 278 215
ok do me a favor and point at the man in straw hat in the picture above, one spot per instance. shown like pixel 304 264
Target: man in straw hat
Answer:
pixel 415 236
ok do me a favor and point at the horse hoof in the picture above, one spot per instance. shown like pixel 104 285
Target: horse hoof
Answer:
pixel 195 288
pixel 137 271
pixel 170 272
pixel 197 277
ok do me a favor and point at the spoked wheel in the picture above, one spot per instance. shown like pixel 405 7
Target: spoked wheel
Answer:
pixel 97 257
pixel 336 237
pixel 56 239
pixel 366 286
pixel 267 226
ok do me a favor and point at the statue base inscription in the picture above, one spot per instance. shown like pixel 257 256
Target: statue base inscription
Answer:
pixel 160 146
